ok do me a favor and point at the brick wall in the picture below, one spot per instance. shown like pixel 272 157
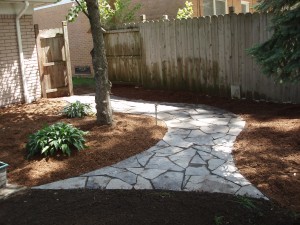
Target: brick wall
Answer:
pixel 11 90
pixel 79 39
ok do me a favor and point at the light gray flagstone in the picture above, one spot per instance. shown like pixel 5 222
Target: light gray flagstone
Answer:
pixel 136 170
pixel 180 124
pixel 163 164
pixel 165 116
pixel 168 151
pixel 196 134
pixel 250 191
pixel 237 122
pixel 225 170
pixel 237 178
pixel 235 131
pixel 183 158
pixel 144 157
pixel 196 171
pixel 215 129
pixel 130 162
pixel 183 133
pixel 175 140
pixel 152 173
pixel 204 148
pixel 197 160
pixel 213 184
pixel 214 163
pixel 97 182
pixel 162 144
pixel 71 183
pixel 105 171
pixel 205 156
pixel 169 181
pixel 218 135
pixel 142 183
pixel 203 140
pixel 227 140
pixel 118 184
pixel 128 177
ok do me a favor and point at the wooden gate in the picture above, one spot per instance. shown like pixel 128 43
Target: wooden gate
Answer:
pixel 123 52
pixel 54 61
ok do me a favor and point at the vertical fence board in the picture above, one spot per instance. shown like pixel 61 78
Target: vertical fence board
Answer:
pixel 196 53
pixel 228 52
pixel 215 55
pixel 203 54
pixel 221 56
pixel 235 50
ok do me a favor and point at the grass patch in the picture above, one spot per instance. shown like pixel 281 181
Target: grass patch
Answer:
pixel 83 82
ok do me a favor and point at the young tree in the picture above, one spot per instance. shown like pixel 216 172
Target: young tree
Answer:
pixel 103 85
pixel 111 15
pixel 279 57
pixel 102 98
pixel 186 12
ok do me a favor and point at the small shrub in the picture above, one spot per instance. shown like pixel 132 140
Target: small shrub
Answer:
pixel 51 139
pixel 186 12
pixel 77 109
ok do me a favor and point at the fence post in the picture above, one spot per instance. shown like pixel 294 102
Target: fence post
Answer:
pixel 143 18
pixel 68 61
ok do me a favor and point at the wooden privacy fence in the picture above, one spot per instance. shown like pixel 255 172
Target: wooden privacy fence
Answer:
pixel 54 61
pixel 123 51
pixel 207 55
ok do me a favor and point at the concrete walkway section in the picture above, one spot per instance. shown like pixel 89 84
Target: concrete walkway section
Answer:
pixel 194 155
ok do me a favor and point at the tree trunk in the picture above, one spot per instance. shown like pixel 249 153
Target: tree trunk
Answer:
pixel 103 85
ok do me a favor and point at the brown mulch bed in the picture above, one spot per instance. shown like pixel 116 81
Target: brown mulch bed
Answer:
pixel 267 152
pixel 129 135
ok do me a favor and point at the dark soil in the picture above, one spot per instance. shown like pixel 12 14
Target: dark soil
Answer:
pixel 139 207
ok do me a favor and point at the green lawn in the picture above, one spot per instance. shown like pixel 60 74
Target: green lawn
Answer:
pixel 83 82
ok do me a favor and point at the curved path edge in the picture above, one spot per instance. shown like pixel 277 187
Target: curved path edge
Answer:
pixel 194 155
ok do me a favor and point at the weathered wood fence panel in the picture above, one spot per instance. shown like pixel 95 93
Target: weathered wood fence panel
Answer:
pixel 206 55
pixel 123 51
pixel 54 61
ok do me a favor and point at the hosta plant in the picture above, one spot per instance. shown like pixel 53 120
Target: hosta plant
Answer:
pixel 77 109
pixel 54 138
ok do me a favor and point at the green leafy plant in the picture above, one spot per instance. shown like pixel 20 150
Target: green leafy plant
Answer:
pixel 77 109
pixel 186 12
pixel 246 202
pixel 218 220
pixel 123 11
pixel 57 137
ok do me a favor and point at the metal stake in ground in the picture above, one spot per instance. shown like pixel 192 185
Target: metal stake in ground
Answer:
pixel 156 113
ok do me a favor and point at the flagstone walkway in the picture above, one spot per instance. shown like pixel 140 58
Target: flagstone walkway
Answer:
pixel 194 155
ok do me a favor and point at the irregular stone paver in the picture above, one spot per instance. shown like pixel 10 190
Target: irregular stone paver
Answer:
pixel 194 155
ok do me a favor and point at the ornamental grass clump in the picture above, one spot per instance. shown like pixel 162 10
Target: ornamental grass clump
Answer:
pixel 54 138
pixel 77 109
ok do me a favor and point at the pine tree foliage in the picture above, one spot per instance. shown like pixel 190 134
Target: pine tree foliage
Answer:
pixel 279 57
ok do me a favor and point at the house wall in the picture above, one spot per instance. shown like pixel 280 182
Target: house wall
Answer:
pixel 11 90
pixel 154 9
pixel 80 40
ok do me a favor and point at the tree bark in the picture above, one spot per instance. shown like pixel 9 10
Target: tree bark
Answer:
pixel 103 85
